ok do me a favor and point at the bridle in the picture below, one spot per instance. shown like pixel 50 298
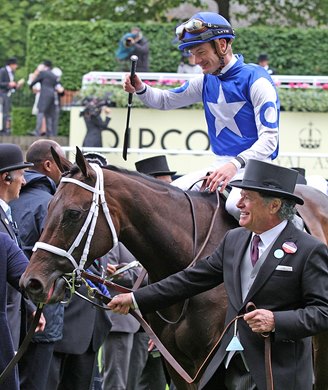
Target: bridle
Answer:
pixel 98 198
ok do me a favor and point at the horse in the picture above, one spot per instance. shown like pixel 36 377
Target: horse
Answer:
pixel 164 227
pixel 161 226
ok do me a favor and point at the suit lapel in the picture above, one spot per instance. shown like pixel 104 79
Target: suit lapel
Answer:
pixel 7 226
pixel 272 261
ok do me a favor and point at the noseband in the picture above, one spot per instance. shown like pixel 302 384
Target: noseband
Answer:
pixel 89 223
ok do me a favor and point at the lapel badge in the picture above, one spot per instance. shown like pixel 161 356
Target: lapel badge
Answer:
pixel 278 254
pixel 289 247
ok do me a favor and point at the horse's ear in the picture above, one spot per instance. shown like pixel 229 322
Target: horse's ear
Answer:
pixel 82 163
pixel 63 163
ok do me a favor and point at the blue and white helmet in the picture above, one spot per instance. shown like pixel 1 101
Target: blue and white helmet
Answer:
pixel 203 27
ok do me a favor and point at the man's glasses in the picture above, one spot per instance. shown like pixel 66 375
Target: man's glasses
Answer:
pixel 197 26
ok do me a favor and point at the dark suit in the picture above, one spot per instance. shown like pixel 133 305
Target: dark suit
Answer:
pixel 298 298
pixel 13 297
pixel 13 263
pixel 85 328
pixel 47 100
pixel 5 96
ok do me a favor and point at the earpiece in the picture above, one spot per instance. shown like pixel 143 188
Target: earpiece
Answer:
pixel 8 178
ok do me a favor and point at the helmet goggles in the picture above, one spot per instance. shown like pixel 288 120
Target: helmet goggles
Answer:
pixel 198 26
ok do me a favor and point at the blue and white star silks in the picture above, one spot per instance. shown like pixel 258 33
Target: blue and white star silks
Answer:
pixel 241 109
pixel 225 113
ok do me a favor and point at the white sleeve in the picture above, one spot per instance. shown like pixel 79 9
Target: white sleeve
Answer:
pixel 264 97
pixel 189 93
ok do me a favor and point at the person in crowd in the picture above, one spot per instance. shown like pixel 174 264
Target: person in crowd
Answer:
pixel 118 345
pixel 46 106
pixel 279 270
pixel 93 114
pixel 133 43
pixel 74 361
pixel 263 60
pixel 13 264
pixel 188 65
pixel 146 367
pixel 59 92
pixel 240 102
pixel 8 85
pixel 12 180
pixel 30 211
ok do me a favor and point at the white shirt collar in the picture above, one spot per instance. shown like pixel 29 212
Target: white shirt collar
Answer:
pixel 271 235
pixel 229 65
pixel 4 205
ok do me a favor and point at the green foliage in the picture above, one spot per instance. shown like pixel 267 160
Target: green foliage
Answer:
pixel 289 13
pixel 116 10
pixel 80 47
pixel 306 100
pixel 24 122
pixel 311 100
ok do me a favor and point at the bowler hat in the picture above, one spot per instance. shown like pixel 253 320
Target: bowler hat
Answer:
pixel 11 158
pixel 269 179
pixel 154 166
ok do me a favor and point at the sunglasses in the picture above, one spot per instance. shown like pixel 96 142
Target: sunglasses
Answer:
pixel 197 26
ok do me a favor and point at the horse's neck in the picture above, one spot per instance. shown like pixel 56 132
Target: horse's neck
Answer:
pixel 157 226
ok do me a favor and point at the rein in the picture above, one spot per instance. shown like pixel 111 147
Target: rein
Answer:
pixel 24 345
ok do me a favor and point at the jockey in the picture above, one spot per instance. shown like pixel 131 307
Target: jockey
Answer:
pixel 240 102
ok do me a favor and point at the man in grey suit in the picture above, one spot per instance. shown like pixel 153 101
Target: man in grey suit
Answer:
pixel 285 276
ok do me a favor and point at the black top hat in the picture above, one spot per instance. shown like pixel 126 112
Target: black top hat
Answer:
pixel 12 60
pixel 263 57
pixel 269 179
pixel 154 166
pixel 301 175
pixel 11 158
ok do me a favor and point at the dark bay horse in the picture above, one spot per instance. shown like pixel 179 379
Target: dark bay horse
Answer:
pixel 164 229
pixel 155 222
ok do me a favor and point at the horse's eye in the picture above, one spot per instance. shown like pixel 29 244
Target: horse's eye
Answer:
pixel 72 215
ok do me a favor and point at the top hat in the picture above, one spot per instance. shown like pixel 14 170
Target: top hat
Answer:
pixel 11 158
pixel 12 60
pixel 154 166
pixel 263 57
pixel 269 179
pixel 301 175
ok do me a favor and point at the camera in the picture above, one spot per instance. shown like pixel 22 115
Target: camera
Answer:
pixel 129 42
pixel 94 105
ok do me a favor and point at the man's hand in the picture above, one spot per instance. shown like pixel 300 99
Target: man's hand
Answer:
pixel 221 177
pixel 260 320
pixel 42 323
pixel 121 303
pixel 137 82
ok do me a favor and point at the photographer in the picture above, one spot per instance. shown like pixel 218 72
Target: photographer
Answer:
pixel 92 114
pixel 133 43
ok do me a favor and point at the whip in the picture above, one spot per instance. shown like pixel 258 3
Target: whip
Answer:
pixel 134 60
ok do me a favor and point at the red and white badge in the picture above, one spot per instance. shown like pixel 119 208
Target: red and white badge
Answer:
pixel 289 247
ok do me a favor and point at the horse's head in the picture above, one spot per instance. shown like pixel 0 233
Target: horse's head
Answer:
pixel 66 246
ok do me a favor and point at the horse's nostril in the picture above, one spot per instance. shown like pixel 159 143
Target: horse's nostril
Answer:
pixel 34 286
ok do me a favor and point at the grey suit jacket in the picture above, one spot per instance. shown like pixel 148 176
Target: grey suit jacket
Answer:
pixel 297 295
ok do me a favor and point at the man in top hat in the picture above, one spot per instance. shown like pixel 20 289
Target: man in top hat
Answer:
pixel 12 179
pixel 157 167
pixel 263 60
pixel 7 86
pixel 282 270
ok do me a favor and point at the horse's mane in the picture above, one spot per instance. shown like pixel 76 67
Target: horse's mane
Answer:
pixel 75 169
